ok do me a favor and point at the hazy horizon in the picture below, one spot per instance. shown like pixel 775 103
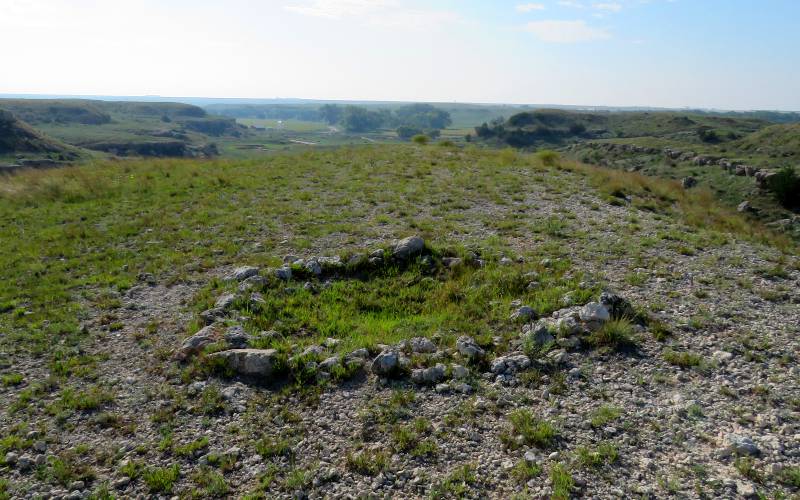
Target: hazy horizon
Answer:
pixel 721 55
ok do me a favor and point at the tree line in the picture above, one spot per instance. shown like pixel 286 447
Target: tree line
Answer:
pixel 408 120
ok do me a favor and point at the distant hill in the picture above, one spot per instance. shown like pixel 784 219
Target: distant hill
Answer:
pixel 126 128
pixel 552 127
pixel 89 112
pixel 777 140
pixel 17 136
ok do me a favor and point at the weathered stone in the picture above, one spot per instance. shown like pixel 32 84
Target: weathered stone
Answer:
pixel 421 345
pixel 250 362
pixel 451 262
pixel 594 312
pixel 209 316
pixel 523 313
pixel 741 445
pixel 329 363
pixel 359 354
pixel 468 348
pixel 330 263
pixel 242 273
pixel 225 301
pixel 284 273
pixel 510 364
pixel 459 372
pixel 313 267
pixel 312 351
pixel 558 356
pixel 236 337
pixel 539 333
pixel 617 306
pixel 407 247
pixel 389 364
pixel 430 375
pixel 462 387
pixel 195 343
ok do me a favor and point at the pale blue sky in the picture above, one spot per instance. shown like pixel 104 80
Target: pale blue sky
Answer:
pixel 733 54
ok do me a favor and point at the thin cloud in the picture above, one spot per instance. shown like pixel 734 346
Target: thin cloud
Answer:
pixel 566 31
pixel 570 3
pixel 529 7
pixel 386 13
pixel 608 6
pixel 338 9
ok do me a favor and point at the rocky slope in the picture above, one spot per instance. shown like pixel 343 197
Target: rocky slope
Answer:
pixel 700 400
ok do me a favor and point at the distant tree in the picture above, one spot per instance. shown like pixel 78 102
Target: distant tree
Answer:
pixel 484 131
pixel 331 113
pixel 707 134
pixel 420 139
pixel 424 116
pixel 577 129
pixel 785 184
pixel 359 119
pixel 405 132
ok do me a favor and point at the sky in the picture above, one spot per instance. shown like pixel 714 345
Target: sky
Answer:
pixel 724 54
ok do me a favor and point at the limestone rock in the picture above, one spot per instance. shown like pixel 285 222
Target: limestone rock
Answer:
pixel 407 247
pixel 468 348
pixel 250 362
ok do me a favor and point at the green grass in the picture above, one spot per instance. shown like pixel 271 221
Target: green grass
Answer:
pixel 605 453
pixel 683 359
pixel 457 484
pixel 790 476
pixel 524 471
pixel 161 479
pixel 191 448
pixel 211 484
pixel 10 379
pixel 616 334
pixel 604 415
pixel 391 303
pixel 562 482
pixel 534 431
pixel 367 462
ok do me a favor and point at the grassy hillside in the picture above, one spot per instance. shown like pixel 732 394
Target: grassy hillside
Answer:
pixel 107 268
pixel 17 137
pixel 552 127
pixel 777 141
pixel 126 128
pixel 722 153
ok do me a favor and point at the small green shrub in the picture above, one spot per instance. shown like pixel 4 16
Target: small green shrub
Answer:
pixel 190 449
pixel 212 483
pixel 785 184
pixel 790 476
pixel 10 379
pixel 548 157
pixel 604 415
pixel 615 334
pixel 161 479
pixel 367 462
pixel 420 139
pixel 269 447
pixel 605 454
pixel 524 471
pixel 534 431
pixel 562 482
pixel 456 484
pixel 683 359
